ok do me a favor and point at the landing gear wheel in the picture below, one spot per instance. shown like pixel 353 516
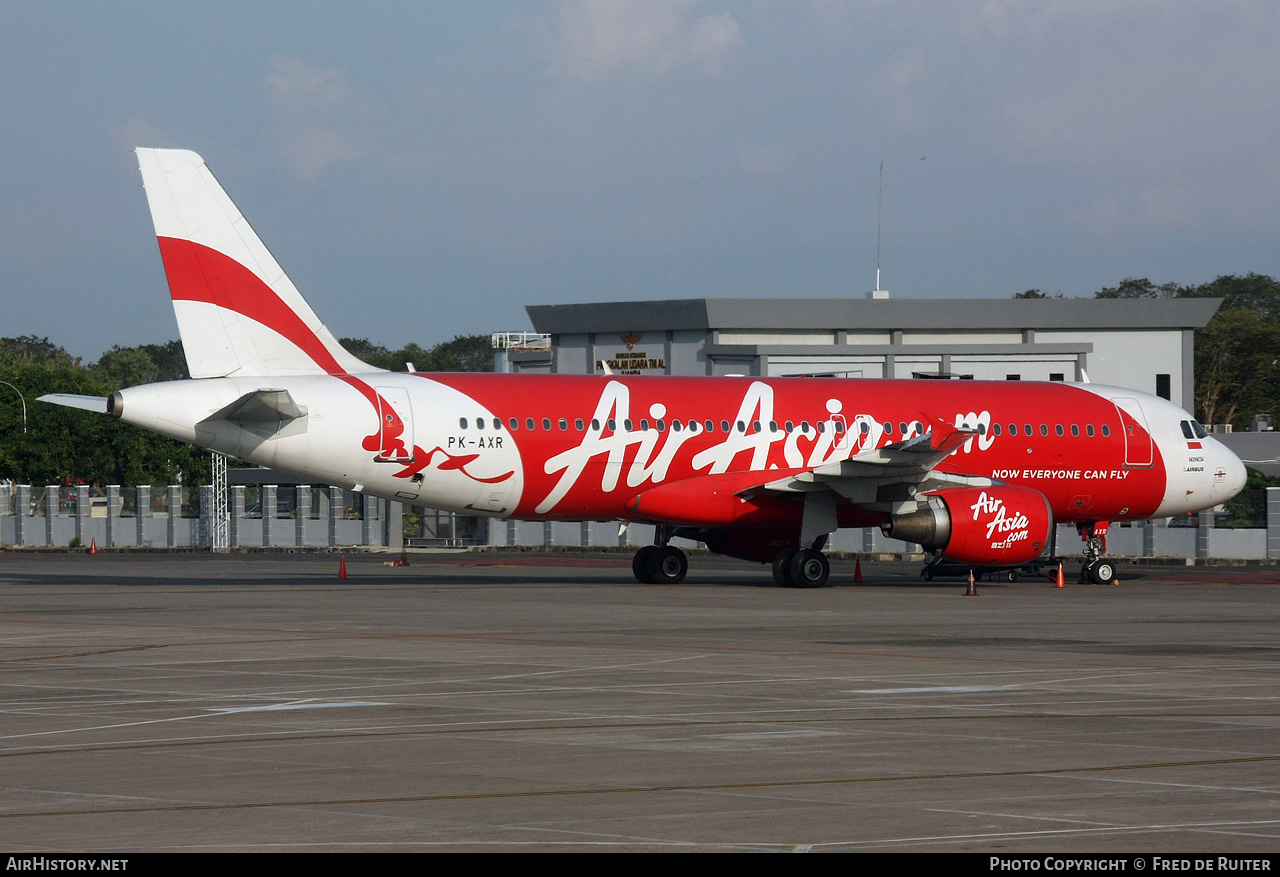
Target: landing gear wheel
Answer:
pixel 667 565
pixel 927 573
pixel 1011 575
pixel 640 564
pixel 1102 572
pixel 782 567
pixel 809 569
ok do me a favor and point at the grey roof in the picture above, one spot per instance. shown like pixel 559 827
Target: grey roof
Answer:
pixel 860 314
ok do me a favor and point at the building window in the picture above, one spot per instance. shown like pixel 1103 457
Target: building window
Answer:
pixel 1013 377
pixel 1057 376
pixel 1163 386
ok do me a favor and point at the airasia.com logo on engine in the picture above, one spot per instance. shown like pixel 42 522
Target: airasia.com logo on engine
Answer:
pixel 1000 520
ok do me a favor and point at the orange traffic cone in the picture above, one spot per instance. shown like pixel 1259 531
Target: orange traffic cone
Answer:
pixel 342 566
pixel 93 546
pixel 1061 582
pixel 972 590
pixel 857 572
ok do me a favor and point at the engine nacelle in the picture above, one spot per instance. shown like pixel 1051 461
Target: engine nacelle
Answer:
pixel 983 526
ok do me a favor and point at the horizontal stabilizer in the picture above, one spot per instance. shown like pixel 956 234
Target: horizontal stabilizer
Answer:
pixel 260 407
pixel 70 400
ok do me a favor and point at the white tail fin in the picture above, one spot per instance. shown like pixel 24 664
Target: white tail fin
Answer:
pixel 238 313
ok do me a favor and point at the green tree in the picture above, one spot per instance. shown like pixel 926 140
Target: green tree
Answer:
pixel 1140 287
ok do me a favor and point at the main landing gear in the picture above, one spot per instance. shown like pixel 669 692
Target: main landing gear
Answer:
pixel 660 563
pixel 1097 569
pixel 803 568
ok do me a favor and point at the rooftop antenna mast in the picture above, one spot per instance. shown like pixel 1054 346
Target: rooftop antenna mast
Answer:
pixel 878 292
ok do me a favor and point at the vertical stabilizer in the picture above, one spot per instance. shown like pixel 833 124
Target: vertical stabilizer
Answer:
pixel 238 312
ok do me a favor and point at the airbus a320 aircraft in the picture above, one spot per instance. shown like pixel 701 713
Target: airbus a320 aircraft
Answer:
pixel 761 469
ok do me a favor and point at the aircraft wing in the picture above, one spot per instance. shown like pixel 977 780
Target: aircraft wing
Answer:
pixel 881 475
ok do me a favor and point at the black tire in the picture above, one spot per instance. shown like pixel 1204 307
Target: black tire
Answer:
pixel 1103 572
pixel 809 569
pixel 640 564
pixel 1011 575
pixel 667 565
pixel 927 573
pixel 782 567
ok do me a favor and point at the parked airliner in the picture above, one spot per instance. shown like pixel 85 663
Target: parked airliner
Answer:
pixel 763 469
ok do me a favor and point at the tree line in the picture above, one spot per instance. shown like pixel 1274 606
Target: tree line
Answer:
pixel 1237 353
pixel 57 445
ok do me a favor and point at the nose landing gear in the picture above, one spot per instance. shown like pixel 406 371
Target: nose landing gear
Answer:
pixel 1097 570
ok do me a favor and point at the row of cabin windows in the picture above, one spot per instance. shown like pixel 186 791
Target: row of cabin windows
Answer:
pixel 790 426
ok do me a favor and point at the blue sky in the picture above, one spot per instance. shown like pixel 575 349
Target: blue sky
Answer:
pixel 426 169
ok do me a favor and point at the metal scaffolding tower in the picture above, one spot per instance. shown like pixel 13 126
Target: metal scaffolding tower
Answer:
pixel 219 539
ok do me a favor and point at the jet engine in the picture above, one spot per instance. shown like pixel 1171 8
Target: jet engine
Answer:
pixel 983 526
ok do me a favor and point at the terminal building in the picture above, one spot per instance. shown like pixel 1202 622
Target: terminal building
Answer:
pixel 1139 343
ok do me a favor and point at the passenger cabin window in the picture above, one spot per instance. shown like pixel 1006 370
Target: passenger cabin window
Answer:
pixel 1088 430
pixel 1075 431
pixel 1058 429
pixel 564 424
pixel 1106 431
pixel 479 423
pixel 577 424
pixel 462 422
pixel 546 424
pixel 514 424
pixel 710 425
pixel 724 426
pixel 1044 429
pixel 528 423
pixel 595 424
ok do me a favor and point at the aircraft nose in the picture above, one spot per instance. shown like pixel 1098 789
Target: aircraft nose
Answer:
pixel 1229 476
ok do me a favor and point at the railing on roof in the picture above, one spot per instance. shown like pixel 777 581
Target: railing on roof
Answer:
pixel 521 341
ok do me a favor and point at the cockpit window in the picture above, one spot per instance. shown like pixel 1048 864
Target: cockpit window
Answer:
pixel 1186 429
pixel 1199 430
